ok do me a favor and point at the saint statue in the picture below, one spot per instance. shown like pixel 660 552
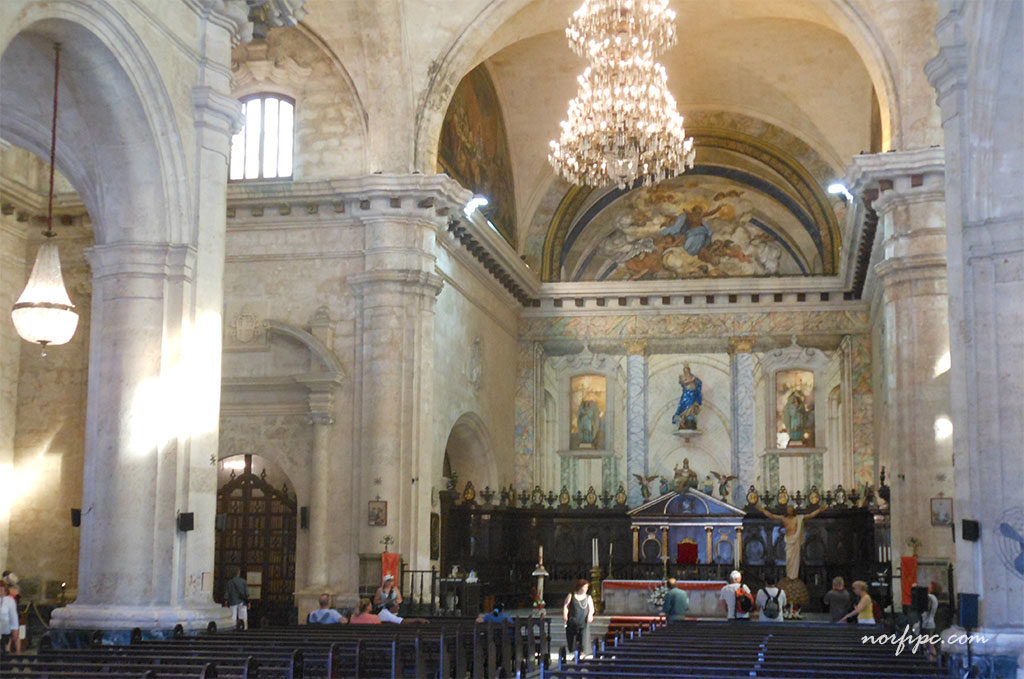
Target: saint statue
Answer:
pixel 684 476
pixel 588 422
pixel 689 402
pixel 794 525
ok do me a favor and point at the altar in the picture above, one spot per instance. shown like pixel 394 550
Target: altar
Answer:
pixel 632 597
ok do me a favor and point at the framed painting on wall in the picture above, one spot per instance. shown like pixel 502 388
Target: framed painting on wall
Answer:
pixel 942 511
pixel 588 396
pixel 794 409
pixel 377 513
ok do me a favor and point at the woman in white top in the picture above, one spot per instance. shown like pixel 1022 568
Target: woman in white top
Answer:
pixel 9 625
pixel 772 596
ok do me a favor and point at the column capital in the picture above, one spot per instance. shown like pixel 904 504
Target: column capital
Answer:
pixel 216 111
pixel 635 347
pixel 148 260
pixel 911 268
pixel 397 280
pixel 741 344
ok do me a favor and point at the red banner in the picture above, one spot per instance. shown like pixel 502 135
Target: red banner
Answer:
pixel 389 564
pixel 908 578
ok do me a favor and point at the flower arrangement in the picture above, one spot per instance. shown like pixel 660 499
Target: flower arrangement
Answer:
pixel 537 602
pixel 657 596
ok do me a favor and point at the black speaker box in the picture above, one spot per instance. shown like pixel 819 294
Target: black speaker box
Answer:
pixel 304 518
pixel 970 530
pixel 968 605
pixel 186 521
pixel 76 517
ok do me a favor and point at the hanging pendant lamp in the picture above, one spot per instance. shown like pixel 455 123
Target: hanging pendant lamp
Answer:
pixel 44 313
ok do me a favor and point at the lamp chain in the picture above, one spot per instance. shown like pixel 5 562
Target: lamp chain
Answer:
pixel 49 233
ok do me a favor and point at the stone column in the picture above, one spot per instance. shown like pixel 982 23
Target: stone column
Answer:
pixel 741 388
pixel 980 59
pixel 321 409
pixel 636 419
pixel 144 427
pixel 396 295
pixel 916 438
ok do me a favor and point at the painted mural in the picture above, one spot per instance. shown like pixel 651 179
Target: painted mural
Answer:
pixel 692 227
pixel 473 149
pixel 794 408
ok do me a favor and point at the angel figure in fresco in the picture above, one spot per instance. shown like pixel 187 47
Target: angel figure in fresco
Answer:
pixel 645 485
pixel 690 401
pixel 723 484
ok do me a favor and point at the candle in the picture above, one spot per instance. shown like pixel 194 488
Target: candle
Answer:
pixel 593 546
pixel 540 555
pixel 610 555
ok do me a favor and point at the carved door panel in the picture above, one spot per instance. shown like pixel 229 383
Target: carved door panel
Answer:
pixel 256 532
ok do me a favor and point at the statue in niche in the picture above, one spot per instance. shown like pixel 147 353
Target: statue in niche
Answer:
pixel 799 421
pixel 588 421
pixel 684 476
pixel 689 402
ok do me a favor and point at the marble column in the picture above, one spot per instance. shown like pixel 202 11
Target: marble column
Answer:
pixel 636 419
pixel 144 427
pixel 977 75
pixel 741 392
pixel 916 439
pixel 321 417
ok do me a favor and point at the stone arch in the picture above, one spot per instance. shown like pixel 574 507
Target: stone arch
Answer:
pixel 118 142
pixel 469 452
pixel 463 53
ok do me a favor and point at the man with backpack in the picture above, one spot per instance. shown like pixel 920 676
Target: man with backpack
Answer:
pixel 771 600
pixel 736 598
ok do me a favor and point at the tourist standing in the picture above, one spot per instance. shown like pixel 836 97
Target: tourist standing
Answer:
pixel 578 613
pixel 771 600
pixel 735 603
pixel 236 593
pixel 677 602
pixel 864 611
pixel 9 624
pixel 837 600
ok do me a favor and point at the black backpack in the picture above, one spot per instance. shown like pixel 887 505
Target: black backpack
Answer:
pixel 771 607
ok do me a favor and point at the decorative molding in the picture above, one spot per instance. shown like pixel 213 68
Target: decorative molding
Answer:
pixel 166 260
pixel 257 70
pixel 741 344
pixel 217 112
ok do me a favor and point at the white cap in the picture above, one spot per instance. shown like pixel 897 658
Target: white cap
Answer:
pixel 389 577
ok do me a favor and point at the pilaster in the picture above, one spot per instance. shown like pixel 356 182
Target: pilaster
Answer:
pixel 741 388
pixel 636 419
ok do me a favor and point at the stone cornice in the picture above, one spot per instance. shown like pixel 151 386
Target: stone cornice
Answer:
pixel 885 171
pixel 216 111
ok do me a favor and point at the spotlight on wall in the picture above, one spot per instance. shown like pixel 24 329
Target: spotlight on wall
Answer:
pixel 838 189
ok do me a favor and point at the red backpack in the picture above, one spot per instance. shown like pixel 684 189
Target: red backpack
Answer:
pixel 744 600
pixel 876 611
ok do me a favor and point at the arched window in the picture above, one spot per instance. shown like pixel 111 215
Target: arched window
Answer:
pixel 263 149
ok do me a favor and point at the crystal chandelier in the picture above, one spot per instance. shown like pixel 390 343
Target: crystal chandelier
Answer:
pixel 44 313
pixel 622 126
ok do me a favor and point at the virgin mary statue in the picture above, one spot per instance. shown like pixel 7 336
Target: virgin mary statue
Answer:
pixel 690 400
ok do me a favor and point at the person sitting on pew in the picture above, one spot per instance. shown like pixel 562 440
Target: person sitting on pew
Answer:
pixel 727 597
pixel 863 611
pixel 771 592
pixel 676 602
pixel 386 593
pixel 325 615
pixel 364 617
pixel 390 614
pixel 496 616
